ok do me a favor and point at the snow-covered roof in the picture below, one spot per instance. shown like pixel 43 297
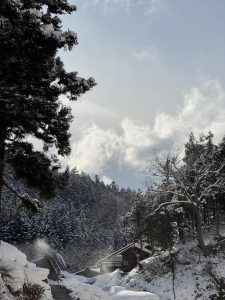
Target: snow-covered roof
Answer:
pixel 94 269
pixel 144 247
pixel 132 245
pixel 115 253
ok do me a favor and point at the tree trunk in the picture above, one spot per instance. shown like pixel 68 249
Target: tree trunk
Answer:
pixel 2 154
pixel 180 230
pixel 217 220
pixel 199 227
pixel 214 210
pixel 141 244
pixel 192 222
pixel 152 246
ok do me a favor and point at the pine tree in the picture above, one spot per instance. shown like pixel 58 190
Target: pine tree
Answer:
pixel 32 79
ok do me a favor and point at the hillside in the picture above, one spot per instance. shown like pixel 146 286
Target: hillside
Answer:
pixel 184 273
pixel 82 221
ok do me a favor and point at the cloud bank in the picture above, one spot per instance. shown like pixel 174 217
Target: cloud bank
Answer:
pixel 124 148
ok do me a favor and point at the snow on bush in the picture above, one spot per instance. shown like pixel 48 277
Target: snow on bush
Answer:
pixel 18 277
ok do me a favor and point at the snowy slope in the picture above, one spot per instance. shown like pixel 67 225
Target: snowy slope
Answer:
pixel 182 274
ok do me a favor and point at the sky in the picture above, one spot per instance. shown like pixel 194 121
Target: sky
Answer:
pixel 159 67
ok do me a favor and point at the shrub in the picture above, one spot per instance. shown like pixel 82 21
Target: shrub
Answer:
pixel 32 291
pixel 6 271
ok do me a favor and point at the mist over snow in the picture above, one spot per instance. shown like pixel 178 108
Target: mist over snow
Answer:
pixel 120 150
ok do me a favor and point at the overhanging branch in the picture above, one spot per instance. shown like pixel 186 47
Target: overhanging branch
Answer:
pixel 26 201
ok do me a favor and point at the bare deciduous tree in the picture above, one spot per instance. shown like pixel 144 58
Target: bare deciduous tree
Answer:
pixel 188 183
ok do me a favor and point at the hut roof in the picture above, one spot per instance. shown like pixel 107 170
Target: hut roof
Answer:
pixel 129 246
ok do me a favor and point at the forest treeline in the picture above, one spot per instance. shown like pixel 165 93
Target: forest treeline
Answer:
pixel 83 221
pixel 87 218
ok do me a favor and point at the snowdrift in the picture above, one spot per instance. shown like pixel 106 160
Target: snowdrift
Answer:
pixel 18 277
pixel 132 295
pixel 108 280
pixel 102 287
pixel 83 291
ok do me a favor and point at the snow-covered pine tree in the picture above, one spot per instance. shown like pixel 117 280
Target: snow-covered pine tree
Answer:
pixel 32 79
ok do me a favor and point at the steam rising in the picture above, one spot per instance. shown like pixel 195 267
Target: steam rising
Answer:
pixel 41 246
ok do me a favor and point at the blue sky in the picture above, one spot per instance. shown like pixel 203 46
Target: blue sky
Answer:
pixel 159 65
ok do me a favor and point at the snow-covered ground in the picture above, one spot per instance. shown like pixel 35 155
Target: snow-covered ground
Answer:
pixel 183 274
pixel 102 287
pixel 83 291
pixel 17 275
pixel 131 295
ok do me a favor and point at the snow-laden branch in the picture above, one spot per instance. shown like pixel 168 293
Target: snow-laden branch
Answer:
pixel 166 204
pixel 25 200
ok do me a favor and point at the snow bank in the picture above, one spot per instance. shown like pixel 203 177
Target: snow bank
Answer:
pixel 131 295
pixel 105 281
pixel 78 277
pixel 83 291
pixel 15 271
pixel 12 254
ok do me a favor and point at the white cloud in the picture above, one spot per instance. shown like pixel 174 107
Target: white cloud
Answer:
pixel 135 138
pixel 110 5
pixel 88 111
pixel 155 7
pixel 106 180
pixel 108 152
pixel 94 149
pixel 97 148
pixel 203 110
pixel 150 7
pixel 150 53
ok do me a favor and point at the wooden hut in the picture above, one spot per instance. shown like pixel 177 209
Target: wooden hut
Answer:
pixel 125 258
